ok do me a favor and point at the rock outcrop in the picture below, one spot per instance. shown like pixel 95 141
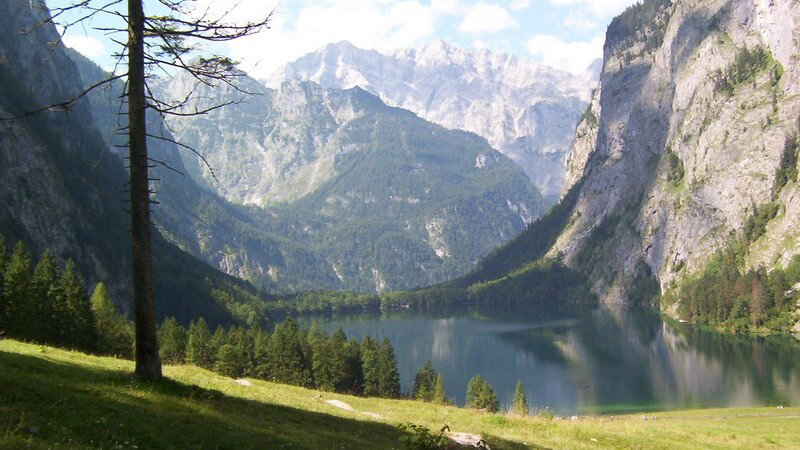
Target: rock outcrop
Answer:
pixel 683 142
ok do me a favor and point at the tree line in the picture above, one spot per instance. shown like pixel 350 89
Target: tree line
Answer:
pixel 429 387
pixel 289 355
pixel 49 304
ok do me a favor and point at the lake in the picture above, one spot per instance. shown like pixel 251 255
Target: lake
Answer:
pixel 588 363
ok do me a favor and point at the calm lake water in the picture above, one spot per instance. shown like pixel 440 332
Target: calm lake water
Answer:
pixel 590 363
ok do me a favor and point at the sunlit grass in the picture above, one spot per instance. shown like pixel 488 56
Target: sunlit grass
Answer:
pixel 55 398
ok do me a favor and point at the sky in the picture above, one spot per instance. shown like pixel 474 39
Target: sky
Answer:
pixel 565 34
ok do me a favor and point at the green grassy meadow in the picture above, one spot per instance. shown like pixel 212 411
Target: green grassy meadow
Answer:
pixel 51 398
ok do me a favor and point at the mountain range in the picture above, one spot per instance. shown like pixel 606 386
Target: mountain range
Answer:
pixel 381 198
pixel 525 110
pixel 684 160
pixel 315 188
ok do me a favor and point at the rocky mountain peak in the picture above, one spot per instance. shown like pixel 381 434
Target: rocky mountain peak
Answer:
pixel 525 110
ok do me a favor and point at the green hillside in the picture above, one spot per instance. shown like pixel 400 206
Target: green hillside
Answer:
pixel 60 399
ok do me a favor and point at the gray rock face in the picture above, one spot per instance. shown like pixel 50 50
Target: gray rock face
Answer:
pixel 525 110
pixel 678 165
pixel 40 199
pixel 344 191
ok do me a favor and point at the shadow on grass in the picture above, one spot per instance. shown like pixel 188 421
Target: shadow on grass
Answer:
pixel 496 442
pixel 46 403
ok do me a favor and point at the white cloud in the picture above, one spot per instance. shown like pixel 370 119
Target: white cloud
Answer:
pixel 487 18
pixel 444 6
pixel 86 45
pixel 600 8
pixel 520 4
pixel 577 20
pixel 379 25
pixel 571 56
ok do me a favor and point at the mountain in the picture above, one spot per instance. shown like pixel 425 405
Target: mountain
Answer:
pixel 685 162
pixel 362 196
pixel 60 188
pixel 525 110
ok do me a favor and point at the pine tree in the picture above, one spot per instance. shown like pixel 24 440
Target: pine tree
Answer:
pixel 439 395
pixel 354 380
pixel 16 283
pixel 480 395
pixel 245 343
pixel 114 331
pixel 520 404
pixel 370 366
pixel 389 376
pixel 262 356
pixel 321 360
pixel 228 361
pixel 172 342
pixel 198 346
pixel 290 361
pixel 41 320
pixel 82 331
pixel 218 339
pixel 424 382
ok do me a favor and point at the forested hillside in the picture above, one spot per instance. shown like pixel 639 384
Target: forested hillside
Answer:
pixel 63 189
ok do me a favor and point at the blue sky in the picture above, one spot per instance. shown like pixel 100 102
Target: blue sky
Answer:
pixel 566 34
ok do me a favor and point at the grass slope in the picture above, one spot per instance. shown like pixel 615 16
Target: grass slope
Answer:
pixel 56 398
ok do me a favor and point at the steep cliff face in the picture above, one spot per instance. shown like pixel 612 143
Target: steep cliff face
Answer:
pixel 51 164
pixel 62 188
pixel 525 110
pixel 684 142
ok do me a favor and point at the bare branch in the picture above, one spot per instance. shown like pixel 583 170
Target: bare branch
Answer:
pixel 66 104
pixel 166 165
pixel 192 149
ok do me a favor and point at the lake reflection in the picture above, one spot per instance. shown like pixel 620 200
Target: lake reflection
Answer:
pixel 599 362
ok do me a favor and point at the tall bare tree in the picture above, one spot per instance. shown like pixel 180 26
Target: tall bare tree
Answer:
pixel 169 42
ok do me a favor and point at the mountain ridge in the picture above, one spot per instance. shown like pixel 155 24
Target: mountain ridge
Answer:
pixel 525 110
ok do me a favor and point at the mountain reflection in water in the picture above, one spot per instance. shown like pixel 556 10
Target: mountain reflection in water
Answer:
pixel 592 362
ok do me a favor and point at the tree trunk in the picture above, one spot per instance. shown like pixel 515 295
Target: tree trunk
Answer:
pixel 148 364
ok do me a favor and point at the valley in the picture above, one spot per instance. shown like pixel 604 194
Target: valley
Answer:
pixel 369 244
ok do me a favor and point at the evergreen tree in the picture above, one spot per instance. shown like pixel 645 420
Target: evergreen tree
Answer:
pixel 198 347
pixel 317 343
pixel 520 404
pixel 238 338
pixel 114 331
pixel 82 331
pixel 439 395
pixel 172 342
pixel 315 335
pixel 388 375
pixel 290 355
pixel 246 344
pixel 321 361
pixel 218 339
pixel 262 356
pixel 370 366
pixel 229 361
pixel 41 319
pixel 17 278
pixel 354 380
pixel 424 382
pixel 480 395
